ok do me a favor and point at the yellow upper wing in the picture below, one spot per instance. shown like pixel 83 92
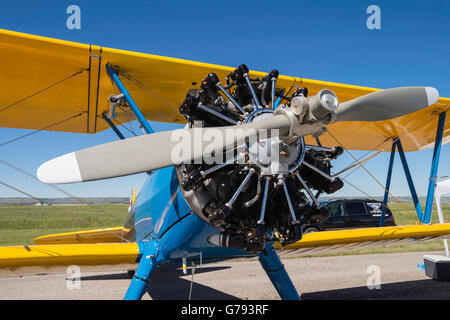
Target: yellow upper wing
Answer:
pixel 46 81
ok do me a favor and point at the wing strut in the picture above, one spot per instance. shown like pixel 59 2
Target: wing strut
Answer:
pixel 140 117
pixel 388 184
pixel 424 217
pixel 113 126
pixel 434 167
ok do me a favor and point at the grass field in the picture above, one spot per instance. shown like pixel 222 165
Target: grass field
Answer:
pixel 19 225
pixel 404 213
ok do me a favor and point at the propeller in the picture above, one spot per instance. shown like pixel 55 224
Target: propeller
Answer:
pixel 162 149
pixel 386 104
pixel 152 151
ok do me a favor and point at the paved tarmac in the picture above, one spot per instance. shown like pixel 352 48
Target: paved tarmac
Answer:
pixel 341 277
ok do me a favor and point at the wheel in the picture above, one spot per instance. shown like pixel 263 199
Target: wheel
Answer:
pixel 310 229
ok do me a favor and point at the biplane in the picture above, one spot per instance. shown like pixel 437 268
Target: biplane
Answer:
pixel 208 196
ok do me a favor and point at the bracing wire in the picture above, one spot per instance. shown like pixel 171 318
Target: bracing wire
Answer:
pixel 148 90
pixel 404 209
pixel 125 127
pixel 39 130
pixel 42 90
pixel 357 162
pixel 80 201
pixel 51 205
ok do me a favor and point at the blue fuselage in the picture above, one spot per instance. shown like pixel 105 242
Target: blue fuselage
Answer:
pixel 161 213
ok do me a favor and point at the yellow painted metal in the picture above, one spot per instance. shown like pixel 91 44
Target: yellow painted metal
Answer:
pixel 65 255
pixel 133 197
pixel 30 64
pixel 106 235
pixel 330 238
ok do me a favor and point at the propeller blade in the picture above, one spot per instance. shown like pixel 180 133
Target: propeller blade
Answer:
pixel 386 104
pixel 152 151
pixel 169 148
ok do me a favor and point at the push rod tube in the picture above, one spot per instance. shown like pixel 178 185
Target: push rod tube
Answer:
pixel 274 83
pixel 311 195
pixel 288 199
pixel 219 166
pixel 319 171
pixel 249 83
pixel 233 101
pixel 217 114
pixel 238 191
pixel 264 201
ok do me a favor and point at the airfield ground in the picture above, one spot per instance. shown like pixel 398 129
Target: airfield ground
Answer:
pixel 337 276
pixel 340 277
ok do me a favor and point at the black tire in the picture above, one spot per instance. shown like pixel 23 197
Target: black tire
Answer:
pixel 310 229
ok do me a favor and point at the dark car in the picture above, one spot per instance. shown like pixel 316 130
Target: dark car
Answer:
pixel 352 213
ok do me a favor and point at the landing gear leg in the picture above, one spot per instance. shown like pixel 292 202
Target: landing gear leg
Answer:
pixel 143 273
pixel 274 268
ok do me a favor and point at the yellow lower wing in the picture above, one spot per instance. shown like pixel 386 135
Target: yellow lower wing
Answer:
pixel 355 239
pixel 105 235
pixel 55 258
pixel 89 249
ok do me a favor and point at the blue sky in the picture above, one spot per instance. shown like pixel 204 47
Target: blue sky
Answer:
pixel 324 40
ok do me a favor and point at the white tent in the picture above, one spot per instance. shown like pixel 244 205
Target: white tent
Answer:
pixel 442 187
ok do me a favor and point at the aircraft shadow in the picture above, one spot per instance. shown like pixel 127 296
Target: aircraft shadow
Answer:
pixel 169 268
pixel 174 269
pixel 113 276
pixel 167 285
pixel 418 289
